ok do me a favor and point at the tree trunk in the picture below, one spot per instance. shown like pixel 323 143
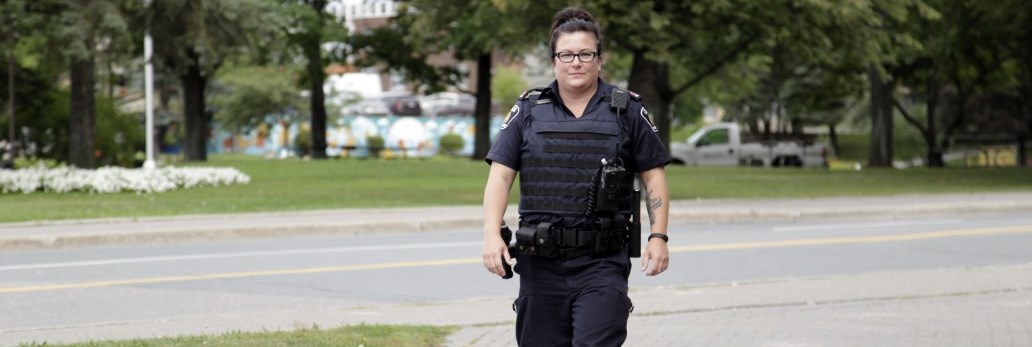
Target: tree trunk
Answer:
pixel 963 94
pixel 881 120
pixel 1026 110
pixel 482 111
pixel 651 79
pixel 83 115
pixel 316 76
pixel 934 155
pixel 12 135
pixel 833 137
pixel 195 147
pixel 1022 150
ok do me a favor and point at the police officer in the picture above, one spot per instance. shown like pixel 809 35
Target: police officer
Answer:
pixel 577 145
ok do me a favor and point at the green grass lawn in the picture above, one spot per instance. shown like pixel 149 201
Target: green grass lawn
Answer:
pixel 292 185
pixel 359 335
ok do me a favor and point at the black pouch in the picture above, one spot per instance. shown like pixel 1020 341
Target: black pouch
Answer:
pixel 546 246
pixel 526 239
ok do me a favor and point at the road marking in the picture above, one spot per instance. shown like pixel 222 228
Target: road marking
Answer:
pixel 236 255
pixel 462 261
pixel 855 239
pixel 871 225
pixel 229 275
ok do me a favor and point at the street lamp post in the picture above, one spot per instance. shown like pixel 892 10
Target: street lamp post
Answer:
pixel 148 77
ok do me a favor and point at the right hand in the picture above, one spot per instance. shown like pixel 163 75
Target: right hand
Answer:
pixel 495 251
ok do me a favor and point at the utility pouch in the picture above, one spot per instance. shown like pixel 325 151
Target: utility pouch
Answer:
pixel 526 237
pixel 546 246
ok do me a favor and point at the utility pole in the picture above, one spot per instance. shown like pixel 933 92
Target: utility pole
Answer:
pixel 148 77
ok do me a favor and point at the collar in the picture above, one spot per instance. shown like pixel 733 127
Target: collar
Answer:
pixel 601 91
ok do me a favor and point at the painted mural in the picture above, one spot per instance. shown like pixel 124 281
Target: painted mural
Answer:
pixel 404 136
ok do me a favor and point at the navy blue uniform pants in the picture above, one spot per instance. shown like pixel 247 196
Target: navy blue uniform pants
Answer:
pixel 573 302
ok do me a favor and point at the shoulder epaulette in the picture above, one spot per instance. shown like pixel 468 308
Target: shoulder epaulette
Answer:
pixel 531 92
pixel 634 96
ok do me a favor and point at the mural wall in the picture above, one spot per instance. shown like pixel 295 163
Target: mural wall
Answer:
pixel 404 136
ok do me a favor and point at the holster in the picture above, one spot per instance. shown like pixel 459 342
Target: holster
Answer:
pixel 507 238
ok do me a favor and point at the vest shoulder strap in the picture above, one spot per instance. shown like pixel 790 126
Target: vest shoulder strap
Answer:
pixel 533 92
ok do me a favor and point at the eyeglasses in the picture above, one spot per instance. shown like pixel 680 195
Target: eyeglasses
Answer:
pixel 584 57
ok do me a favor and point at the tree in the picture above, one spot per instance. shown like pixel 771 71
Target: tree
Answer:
pixel 312 30
pixel 893 53
pixel 245 96
pixel 87 27
pixel 18 21
pixel 193 38
pixel 507 85
pixel 697 40
pixel 1015 21
pixel 964 75
pixel 468 31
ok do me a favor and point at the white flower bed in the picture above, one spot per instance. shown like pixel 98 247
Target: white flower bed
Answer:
pixel 116 179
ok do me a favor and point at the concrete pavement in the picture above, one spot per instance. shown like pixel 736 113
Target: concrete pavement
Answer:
pixel 989 306
pixel 984 306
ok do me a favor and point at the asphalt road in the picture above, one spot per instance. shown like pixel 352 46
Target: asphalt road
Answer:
pixel 43 293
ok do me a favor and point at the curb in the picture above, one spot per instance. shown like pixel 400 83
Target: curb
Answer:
pixel 165 230
pixel 781 215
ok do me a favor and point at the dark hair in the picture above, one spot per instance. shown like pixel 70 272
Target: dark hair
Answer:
pixel 571 20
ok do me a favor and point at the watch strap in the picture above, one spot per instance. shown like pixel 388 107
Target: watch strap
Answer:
pixel 662 236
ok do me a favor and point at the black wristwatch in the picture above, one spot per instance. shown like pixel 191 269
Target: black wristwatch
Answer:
pixel 662 236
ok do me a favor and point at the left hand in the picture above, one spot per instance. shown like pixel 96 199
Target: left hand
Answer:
pixel 656 253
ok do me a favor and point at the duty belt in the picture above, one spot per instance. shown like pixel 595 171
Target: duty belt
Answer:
pixel 544 240
pixel 566 237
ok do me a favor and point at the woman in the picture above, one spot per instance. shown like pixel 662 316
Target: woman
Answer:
pixel 577 145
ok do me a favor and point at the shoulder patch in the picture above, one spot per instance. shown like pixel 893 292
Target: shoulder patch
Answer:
pixel 513 113
pixel 648 119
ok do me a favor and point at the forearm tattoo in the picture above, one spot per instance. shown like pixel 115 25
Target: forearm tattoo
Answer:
pixel 652 204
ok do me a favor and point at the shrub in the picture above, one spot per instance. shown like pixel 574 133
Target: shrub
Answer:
pixel 303 142
pixel 375 144
pixel 118 135
pixel 451 144
pixel 34 162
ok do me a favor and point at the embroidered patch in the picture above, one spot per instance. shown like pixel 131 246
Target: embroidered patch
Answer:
pixel 648 119
pixel 513 112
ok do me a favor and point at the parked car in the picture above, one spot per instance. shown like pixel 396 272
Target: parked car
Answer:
pixel 724 144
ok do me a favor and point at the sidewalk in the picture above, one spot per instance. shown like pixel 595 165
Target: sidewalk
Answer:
pixel 990 306
pixel 150 230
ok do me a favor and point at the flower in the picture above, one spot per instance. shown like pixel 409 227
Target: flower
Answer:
pixel 116 179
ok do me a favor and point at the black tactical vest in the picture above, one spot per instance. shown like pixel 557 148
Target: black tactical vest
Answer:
pixel 561 155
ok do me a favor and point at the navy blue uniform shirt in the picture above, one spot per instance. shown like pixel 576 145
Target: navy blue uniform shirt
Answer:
pixel 646 149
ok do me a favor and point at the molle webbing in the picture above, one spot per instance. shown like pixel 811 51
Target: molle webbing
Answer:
pixel 542 177
pixel 537 191
pixel 575 149
pixel 580 136
pixel 577 164
pixel 554 206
